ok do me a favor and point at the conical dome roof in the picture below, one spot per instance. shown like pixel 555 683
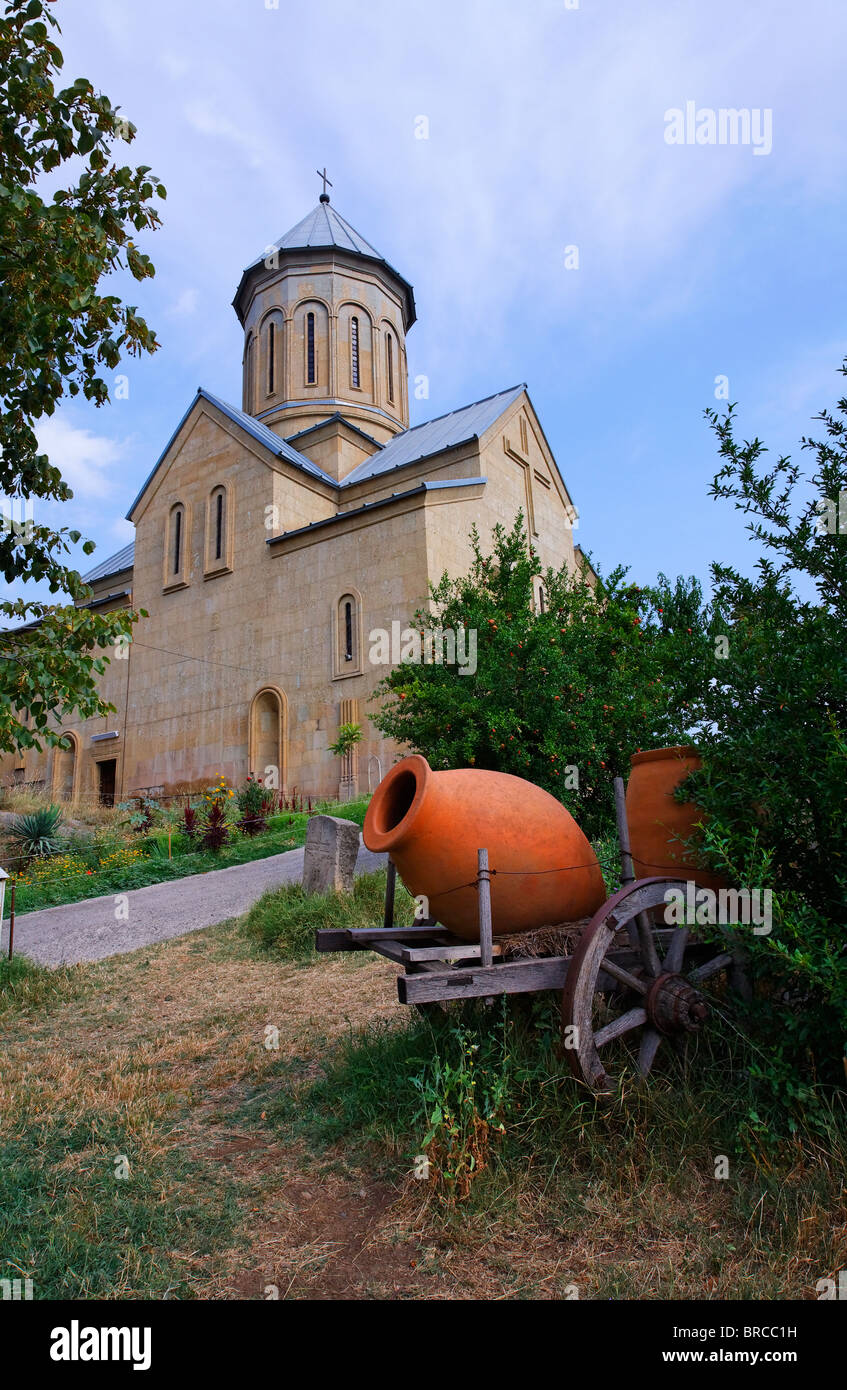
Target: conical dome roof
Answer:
pixel 322 227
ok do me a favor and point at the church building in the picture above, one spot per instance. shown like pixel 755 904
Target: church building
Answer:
pixel 272 539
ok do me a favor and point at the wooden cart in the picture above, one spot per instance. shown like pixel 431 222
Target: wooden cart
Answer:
pixel 620 973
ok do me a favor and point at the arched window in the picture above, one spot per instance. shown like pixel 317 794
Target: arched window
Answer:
pixel 539 595
pixel 354 352
pixel 389 364
pixel 218 549
pixel 271 364
pixel 177 565
pixel 348 629
pixel 176 546
pixel 311 376
pixel 219 525
pixel 248 374
pixel 347 636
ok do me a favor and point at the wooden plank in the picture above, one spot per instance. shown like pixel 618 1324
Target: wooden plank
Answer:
pixel 468 950
pixel 507 977
pixel 361 938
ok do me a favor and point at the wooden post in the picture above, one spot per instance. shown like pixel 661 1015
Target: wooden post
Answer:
pixel 627 874
pixel 627 871
pixel 390 882
pixel 486 955
pixel 12 920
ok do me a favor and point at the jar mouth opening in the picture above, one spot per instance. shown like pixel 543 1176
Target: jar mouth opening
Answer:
pixel 396 803
pixel 655 755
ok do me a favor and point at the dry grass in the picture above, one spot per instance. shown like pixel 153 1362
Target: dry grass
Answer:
pixel 162 1056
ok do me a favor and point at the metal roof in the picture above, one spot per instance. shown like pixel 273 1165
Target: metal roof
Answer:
pixel 323 226
pixel 122 560
pixel 420 442
pixel 265 436
pixel 433 437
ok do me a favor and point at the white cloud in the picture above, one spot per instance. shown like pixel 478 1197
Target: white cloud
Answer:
pixel 185 304
pixel 83 458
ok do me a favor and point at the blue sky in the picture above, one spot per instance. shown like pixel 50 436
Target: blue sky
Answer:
pixel 546 131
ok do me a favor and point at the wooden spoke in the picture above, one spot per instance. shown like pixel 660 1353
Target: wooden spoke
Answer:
pixel 648 945
pixel 634 1019
pixel 669 1003
pixel 676 950
pixel 650 1040
pixel 711 967
pixel 623 977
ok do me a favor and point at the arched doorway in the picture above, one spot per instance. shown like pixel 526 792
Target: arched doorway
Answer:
pixel 64 770
pixel 266 744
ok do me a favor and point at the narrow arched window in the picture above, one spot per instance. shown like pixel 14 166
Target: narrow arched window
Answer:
pixel 310 349
pixel 218 550
pixel 389 358
pixel 176 546
pixel 177 556
pixel 219 525
pixel 271 335
pixel 354 351
pixel 347 636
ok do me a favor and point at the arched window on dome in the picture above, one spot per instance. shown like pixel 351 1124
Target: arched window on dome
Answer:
pixel 389 365
pixel 271 356
pixel 354 352
pixel 311 361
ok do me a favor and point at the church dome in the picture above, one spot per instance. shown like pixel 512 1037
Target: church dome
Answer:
pixel 325 317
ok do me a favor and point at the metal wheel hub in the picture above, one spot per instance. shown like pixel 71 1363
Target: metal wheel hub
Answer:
pixel 675 1006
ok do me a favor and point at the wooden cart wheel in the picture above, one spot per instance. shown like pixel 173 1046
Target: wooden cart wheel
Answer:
pixel 648 989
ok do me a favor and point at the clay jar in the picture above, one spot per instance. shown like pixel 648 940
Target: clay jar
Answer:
pixel 432 824
pixel 657 823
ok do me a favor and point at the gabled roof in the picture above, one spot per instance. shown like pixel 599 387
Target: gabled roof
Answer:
pixel 116 564
pixel 422 441
pixel 433 437
pixel 260 432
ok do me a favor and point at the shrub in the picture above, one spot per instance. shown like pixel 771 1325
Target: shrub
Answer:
pixel 37 834
pixel 255 802
pixel 215 830
pixel 563 693
pixel 285 919
pixel 772 728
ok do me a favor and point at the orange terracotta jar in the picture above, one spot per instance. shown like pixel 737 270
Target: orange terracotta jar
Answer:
pixel 432 824
pixel 657 822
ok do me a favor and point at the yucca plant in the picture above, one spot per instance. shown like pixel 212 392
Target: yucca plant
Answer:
pixel 37 834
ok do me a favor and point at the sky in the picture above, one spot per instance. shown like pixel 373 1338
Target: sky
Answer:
pixel 514 162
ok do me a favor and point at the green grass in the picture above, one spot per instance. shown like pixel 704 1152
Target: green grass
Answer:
pixel 611 1170
pixel 81 1232
pixel 284 920
pixel 286 830
pixel 27 987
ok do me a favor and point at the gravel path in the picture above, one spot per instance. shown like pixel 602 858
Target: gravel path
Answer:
pixel 88 930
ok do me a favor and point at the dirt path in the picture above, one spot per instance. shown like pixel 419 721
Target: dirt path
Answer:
pixel 89 930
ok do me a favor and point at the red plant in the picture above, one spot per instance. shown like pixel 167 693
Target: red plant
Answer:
pixel 216 830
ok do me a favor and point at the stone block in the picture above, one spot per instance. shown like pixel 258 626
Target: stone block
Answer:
pixel 332 846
